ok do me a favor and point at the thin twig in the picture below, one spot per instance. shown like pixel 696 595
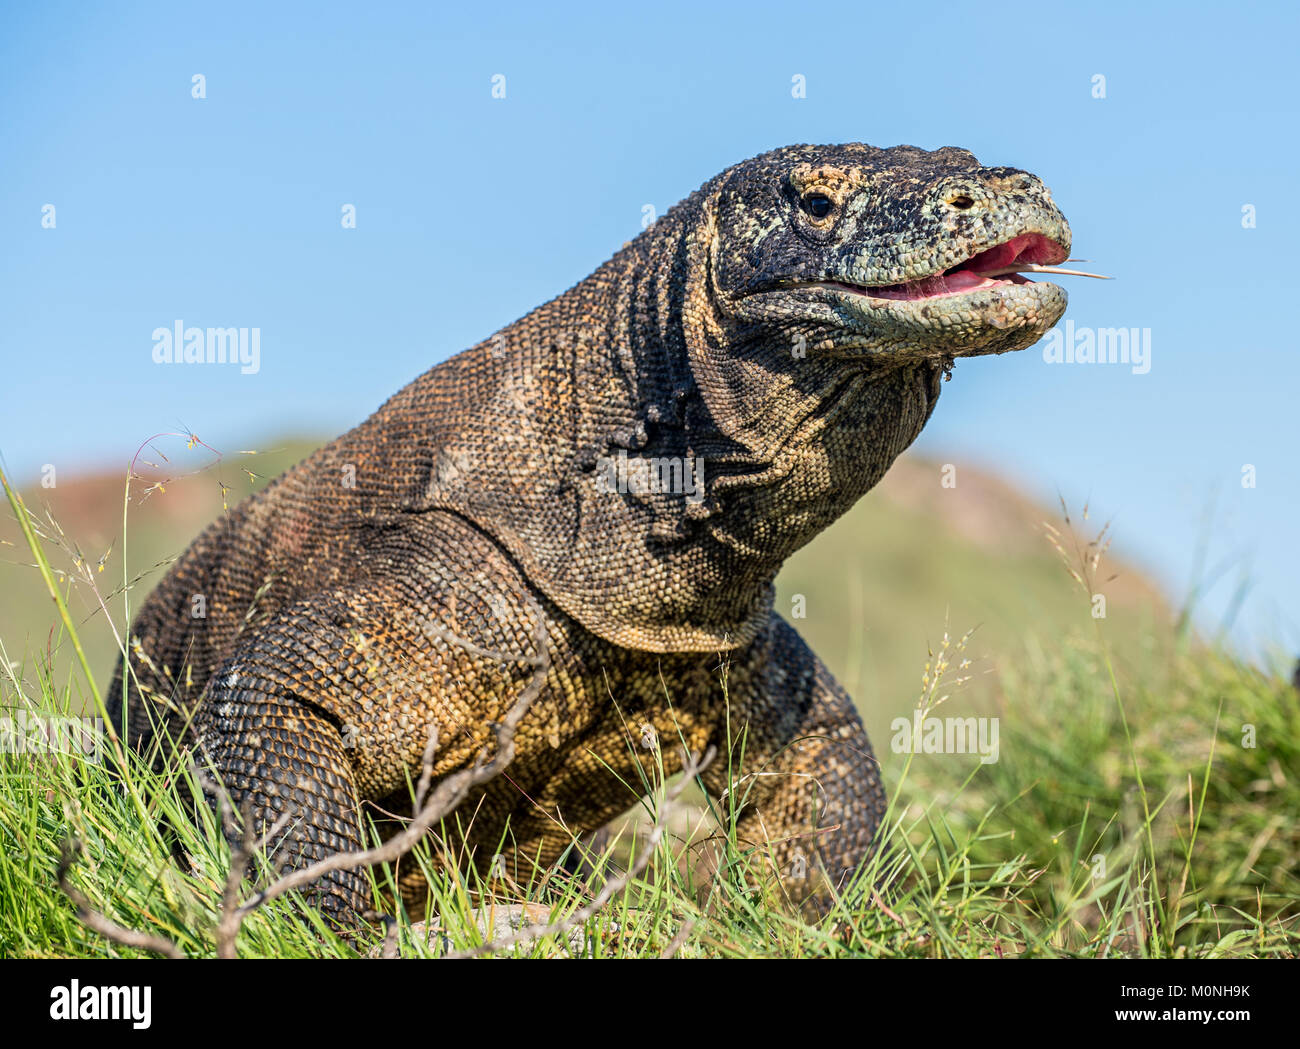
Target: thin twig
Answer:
pixel 690 769
pixel 675 944
pixel 389 949
pixel 880 903
pixel 241 847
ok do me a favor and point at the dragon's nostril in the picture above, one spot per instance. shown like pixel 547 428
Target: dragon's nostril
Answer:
pixel 961 202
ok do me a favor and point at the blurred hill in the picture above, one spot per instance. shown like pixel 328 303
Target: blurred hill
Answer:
pixel 180 488
pixel 912 560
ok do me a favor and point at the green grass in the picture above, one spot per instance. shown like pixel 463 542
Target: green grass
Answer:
pixel 978 861
pixel 1124 817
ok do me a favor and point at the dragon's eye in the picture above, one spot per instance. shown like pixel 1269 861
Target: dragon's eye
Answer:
pixel 818 205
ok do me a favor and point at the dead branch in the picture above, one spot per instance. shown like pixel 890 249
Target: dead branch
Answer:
pixel 101 923
pixel 429 810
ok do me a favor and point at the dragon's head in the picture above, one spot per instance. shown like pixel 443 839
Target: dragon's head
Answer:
pixel 886 254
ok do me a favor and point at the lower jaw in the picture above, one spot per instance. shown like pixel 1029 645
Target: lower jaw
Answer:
pixel 994 320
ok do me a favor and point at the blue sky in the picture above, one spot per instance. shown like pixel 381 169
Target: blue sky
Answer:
pixel 225 211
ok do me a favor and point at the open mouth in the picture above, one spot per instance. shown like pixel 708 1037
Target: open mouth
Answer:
pixel 1000 265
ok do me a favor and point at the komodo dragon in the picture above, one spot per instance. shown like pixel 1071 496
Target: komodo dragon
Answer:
pixel 635 459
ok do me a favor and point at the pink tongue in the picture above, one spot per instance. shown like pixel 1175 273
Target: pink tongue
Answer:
pixel 962 280
pixel 1029 247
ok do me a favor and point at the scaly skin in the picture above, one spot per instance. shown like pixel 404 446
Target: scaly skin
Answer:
pixel 748 331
